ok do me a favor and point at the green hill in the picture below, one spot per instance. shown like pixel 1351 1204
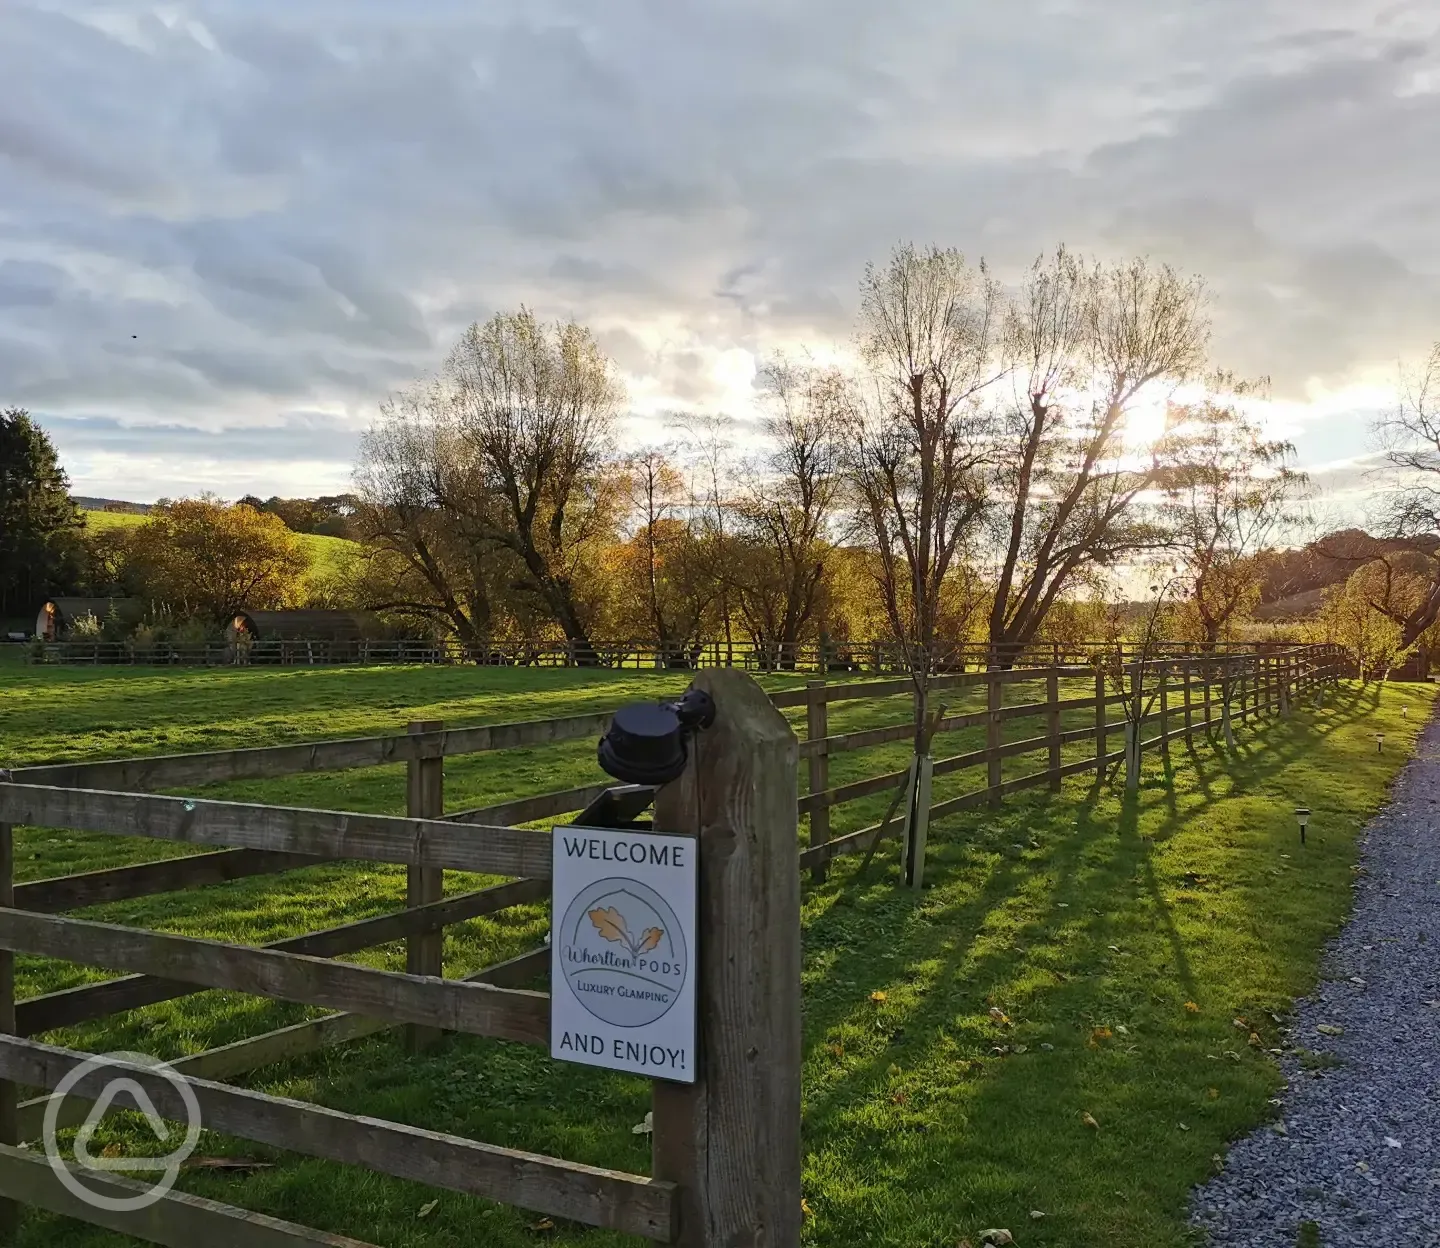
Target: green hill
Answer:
pixel 324 552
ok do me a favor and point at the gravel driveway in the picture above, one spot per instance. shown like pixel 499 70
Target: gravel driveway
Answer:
pixel 1357 1150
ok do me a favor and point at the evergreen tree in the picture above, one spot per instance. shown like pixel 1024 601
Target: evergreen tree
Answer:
pixel 39 524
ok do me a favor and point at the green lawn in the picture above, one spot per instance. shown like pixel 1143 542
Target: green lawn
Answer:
pixel 954 1042
pixel 325 552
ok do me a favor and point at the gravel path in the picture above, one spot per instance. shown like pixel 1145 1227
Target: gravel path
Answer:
pixel 1357 1150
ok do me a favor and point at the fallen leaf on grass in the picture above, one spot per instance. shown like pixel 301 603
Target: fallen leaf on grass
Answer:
pixel 427 1209
pixel 543 1225
pixel 837 1050
pixel 805 1210
pixel 879 998
pixel 239 1165
pixel 1099 1034
pixel 1089 1120
pixel 1191 1008
pixel 997 1237
pixel 1213 1093
pixel 1254 1041
pixel 1036 1215
pixel 645 1127
pixel 999 1015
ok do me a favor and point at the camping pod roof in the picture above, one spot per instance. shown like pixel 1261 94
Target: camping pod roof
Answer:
pixel 308 625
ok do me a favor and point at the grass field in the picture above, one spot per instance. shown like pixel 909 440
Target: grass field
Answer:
pixel 1076 954
pixel 325 552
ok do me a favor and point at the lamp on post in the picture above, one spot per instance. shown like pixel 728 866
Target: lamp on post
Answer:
pixel 1379 742
pixel 1302 816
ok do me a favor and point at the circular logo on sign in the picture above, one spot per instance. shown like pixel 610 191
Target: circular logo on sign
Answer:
pixel 623 953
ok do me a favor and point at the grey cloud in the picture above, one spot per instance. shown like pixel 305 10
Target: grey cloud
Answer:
pixel 300 206
pixel 299 436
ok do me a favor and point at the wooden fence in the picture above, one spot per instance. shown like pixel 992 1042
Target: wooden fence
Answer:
pixel 875 657
pixel 710 1140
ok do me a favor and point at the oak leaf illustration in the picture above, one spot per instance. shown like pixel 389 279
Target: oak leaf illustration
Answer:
pixel 650 939
pixel 610 923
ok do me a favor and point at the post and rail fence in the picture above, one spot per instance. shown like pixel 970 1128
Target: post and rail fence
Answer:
pixel 875 657
pixel 740 797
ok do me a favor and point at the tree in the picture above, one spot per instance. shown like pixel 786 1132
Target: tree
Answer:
pixel 786 510
pixel 425 518
pixel 39 524
pixel 535 406
pixel 663 578
pixel 204 558
pixel 915 443
pixel 708 443
pixel 328 515
pixel 1087 343
pixel 1350 616
pixel 1411 440
pixel 1229 491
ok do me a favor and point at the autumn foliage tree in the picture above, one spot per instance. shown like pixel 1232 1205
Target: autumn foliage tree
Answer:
pixel 1229 493
pixel 204 558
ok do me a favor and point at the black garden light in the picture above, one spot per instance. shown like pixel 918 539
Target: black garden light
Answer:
pixel 1302 816
pixel 1379 742
pixel 648 742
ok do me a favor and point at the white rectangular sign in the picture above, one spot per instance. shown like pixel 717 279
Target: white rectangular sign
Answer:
pixel 623 951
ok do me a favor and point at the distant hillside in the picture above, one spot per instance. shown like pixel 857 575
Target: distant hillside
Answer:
pixel 112 505
pixel 325 552
pixel 1295 580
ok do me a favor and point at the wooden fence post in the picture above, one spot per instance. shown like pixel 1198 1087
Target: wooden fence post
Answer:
pixel 1052 700
pixel 1100 709
pixel 9 1093
pixel 1188 670
pixel 817 728
pixel 994 693
pixel 1165 707
pixel 1133 726
pixel 1227 718
pixel 424 799
pixel 731 1140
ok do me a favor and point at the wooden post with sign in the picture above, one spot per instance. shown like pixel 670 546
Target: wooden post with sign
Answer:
pixel 731 1140
pixel 424 799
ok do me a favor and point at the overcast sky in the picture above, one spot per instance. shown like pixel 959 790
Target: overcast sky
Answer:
pixel 227 229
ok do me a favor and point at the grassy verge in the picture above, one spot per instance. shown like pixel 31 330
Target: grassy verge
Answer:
pixel 1076 954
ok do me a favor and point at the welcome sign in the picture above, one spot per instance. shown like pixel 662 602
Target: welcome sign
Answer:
pixel 623 951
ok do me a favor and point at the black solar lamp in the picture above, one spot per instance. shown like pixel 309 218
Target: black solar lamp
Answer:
pixel 1302 816
pixel 648 742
